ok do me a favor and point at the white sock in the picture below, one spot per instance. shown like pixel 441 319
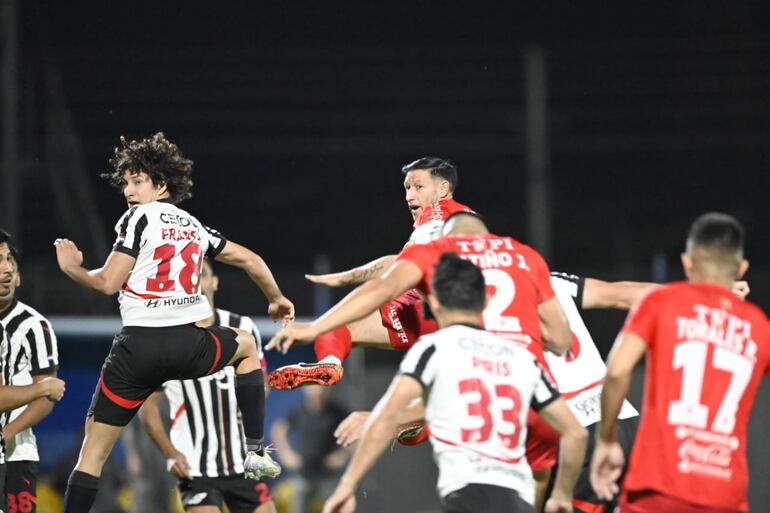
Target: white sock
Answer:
pixel 331 359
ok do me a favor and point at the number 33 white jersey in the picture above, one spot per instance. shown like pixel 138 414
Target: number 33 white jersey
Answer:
pixel 479 388
pixel 169 245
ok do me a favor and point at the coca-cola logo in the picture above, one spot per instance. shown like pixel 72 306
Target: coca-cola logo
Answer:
pixel 707 454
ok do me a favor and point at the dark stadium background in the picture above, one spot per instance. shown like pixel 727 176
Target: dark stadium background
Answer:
pixel 299 116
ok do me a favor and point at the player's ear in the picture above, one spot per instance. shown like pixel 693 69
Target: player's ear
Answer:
pixel 742 268
pixel 435 306
pixel 161 187
pixel 18 279
pixel 215 283
pixel 444 189
pixel 687 264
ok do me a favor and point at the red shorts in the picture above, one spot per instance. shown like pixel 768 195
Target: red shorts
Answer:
pixel 542 443
pixel 404 319
pixel 651 501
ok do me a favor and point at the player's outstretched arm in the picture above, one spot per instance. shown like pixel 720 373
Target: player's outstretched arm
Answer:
pixel 608 459
pixel 11 397
pixel 378 433
pixel 402 276
pixel 355 276
pixel 176 462
pixel 351 429
pixel 623 294
pixel 107 279
pixel 252 264
pixel 554 327
pixel 614 294
pixel 36 411
pixel 571 454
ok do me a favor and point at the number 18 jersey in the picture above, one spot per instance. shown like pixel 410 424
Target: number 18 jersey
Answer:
pixel 479 389
pixel 707 352
pixel 169 245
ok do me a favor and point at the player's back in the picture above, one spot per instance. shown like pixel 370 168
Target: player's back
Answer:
pixel 517 281
pixel 480 389
pixel 169 245
pixel 707 353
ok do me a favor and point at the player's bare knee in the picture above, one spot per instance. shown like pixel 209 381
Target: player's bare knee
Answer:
pixel 247 344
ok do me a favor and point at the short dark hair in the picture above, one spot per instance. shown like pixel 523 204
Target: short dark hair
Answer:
pixel 159 158
pixel 719 233
pixel 5 238
pixel 458 284
pixel 437 167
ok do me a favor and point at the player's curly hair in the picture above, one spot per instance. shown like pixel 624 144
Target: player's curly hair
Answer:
pixel 159 158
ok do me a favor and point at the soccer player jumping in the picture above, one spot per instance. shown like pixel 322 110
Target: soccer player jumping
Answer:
pixel 155 264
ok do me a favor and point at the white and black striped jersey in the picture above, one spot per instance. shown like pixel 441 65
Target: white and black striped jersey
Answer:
pixel 580 371
pixel 29 349
pixel 479 389
pixel 205 421
pixel 169 245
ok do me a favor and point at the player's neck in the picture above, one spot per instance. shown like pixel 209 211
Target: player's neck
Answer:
pixel 720 280
pixel 5 304
pixel 446 319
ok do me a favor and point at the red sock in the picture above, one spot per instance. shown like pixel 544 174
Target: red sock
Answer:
pixel 334 343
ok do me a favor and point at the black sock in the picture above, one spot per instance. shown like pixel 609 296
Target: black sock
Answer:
pixel 250 392
pixel 81 492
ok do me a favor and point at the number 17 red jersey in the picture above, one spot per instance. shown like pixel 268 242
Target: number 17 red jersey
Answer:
pixel 707 352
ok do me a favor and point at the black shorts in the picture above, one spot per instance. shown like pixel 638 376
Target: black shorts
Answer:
pixel 21 486
pixel 142 359
pixel 584 498
pixel 474 498
pixel 240 494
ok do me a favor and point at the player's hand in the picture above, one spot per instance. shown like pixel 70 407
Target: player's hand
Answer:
pixel 558 504
pixel 281 310
pixel 178 466
pixel 54 388
pixel 741 289
pixel 67 254
pixel 330 280
pixel 343 500
pixel 606 466
pixel 285 338
pixel 351 429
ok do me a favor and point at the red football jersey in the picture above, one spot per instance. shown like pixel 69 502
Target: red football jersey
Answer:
pixel 440 211
pixel 517 279
pixel 707 351
pixel 428 225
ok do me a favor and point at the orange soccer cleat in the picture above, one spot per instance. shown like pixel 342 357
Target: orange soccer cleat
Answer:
pixel 290 377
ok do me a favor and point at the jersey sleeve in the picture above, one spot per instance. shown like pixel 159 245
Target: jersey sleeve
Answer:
pixel 131 232
pixel 577 285
pixel 216 241
pixel 545 390
pixel 423 256
pixel 420 363
pixel 642 320
pixel 41 346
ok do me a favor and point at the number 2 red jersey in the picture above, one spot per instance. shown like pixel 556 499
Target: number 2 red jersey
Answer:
pixel 707 351
pixel 169 245
pixel 517 279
